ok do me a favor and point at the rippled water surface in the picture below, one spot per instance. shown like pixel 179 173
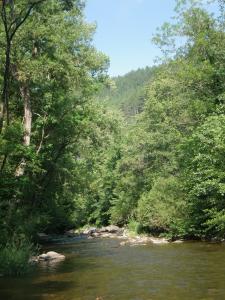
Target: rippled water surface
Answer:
pixel 102 268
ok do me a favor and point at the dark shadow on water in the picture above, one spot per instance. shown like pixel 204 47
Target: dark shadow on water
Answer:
pixel 54 286
pixel 36 291
pixel 70 265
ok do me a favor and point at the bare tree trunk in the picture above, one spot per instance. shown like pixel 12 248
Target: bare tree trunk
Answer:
pixel 4 105
pixel 2 112
pixel 27 123
pixel 27 114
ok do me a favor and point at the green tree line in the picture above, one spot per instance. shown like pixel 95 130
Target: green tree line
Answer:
pixel 170 176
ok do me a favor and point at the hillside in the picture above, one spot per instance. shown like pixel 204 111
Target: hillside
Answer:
pixel 127 92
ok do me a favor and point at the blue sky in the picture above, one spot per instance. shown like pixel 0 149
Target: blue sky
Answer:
pixel 125 28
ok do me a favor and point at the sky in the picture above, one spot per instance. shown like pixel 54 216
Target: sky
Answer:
pixel 125 29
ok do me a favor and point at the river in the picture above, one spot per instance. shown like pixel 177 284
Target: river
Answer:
pixel 101 268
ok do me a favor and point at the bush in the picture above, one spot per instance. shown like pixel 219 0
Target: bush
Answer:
pixel 135 227
pixel 14 257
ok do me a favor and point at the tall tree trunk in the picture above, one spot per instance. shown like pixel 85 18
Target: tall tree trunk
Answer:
pixel 25 93
pixel 4 105
pixel 27 123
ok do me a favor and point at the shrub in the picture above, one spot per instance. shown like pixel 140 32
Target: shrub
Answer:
pixel 14 257
pixel 134 227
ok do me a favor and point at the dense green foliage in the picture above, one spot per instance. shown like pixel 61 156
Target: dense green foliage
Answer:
pixel 170 177
pixel 55 142
pixel 68 159
pixel 126 93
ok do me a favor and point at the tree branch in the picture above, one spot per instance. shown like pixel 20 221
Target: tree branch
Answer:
pixel 32 5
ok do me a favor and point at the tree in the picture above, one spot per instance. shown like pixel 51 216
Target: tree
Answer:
pixel 13 16
pixel 202 162
pixel 55 72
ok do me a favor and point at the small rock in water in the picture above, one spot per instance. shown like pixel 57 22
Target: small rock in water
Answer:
pixel 158 240
pixel 90 230
pixel 178 242
pixel 143 240
pixel 43 236
pixel 123 243
pixel 34 259
pixel 96 234
pixel 70 233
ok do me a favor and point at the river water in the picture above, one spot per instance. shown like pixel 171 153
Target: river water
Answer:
pixel 103 269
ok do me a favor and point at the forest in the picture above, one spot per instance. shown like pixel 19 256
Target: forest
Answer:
pixel 145 150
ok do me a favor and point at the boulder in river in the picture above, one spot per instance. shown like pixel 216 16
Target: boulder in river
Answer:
pixel 112 229
pixel 51 255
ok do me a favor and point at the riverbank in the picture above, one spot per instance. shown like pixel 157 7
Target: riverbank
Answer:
pixel 126 236
pixel 111 232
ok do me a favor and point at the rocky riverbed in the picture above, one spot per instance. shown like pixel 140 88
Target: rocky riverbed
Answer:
pixel 110 231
